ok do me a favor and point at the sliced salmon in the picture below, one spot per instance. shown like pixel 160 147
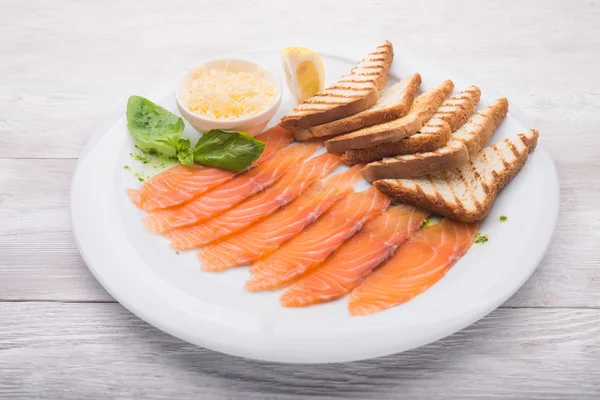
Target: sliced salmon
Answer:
pixel 229 194
pixel 257 207
pixel 356 258
pixel 179 184
pixel 318 241
pixel 418 264
pixel 265 237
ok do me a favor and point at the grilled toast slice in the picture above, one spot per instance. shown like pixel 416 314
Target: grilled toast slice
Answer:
pixel 467 193
pixel 423 108
pixel 394 102
pixel 374 135
pixel 352 93
pixel 432 136
pixel 374 68
pixel 453 113
pixel 457 109
pixel 464 143
pixel 426 105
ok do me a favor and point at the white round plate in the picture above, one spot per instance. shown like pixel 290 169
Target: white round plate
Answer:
pixel 212 309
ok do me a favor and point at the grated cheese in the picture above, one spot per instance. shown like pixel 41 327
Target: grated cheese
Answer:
pixel 223 94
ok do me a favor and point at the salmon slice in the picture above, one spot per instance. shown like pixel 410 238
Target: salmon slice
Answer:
pixel 318 241
pixel 257 207
pixel 418 264
pixel 229 194
pixel 179 184
pixel 356 258
pixel 265 237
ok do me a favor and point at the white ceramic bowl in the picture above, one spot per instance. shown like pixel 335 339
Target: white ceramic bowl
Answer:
pixel 252 124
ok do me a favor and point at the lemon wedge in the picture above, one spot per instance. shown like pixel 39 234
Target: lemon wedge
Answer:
pixel 304 72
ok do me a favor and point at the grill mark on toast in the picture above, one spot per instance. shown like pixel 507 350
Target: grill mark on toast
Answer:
pixel 358 79
pixel 328 99
pixel 325 103
pixel 479 176
pixel 345 85
pixel 505 163
pixel 524 140
pixel 420 193
pixel 440 197
pixel 348 91
pixel 514 149
pixel 343 88
pixel 470 191
pixel 315 105
pixel 368 75
pixel 495 175
pixel 370 67
pixel 461 205
pixel 375 54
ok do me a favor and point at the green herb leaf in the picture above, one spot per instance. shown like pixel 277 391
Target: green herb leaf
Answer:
pixel 479 238
pixel 503 218
pixel 432 219
pixel 153 125
pixel 230 150
pixel 185 154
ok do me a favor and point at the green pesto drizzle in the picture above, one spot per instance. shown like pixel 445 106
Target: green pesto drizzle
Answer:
pixel 480 239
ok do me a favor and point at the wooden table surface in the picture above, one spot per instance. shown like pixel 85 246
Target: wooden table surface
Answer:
pixel 65 65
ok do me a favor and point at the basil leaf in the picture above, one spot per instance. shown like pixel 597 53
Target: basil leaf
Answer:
pixel 151 124
pixel 230 150
pixel 185 154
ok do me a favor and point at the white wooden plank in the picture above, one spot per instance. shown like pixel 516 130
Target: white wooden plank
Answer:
pixel 45 266
pixel 58 82
pixel 64 66
pixel 34 195
pixel 95 351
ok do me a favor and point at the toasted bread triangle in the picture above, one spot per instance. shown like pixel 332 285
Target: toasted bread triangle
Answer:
pixel 454 112
pixel 352 93
pixel 420 112
pixel 394 102
pixel 381 135
pixel 458 108
pixel 467 141
pixel 466 193
pixel 426 105
pixel 374 68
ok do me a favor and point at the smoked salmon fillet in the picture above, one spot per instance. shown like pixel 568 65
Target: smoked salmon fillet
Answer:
pixel 179 184
pixel 318 241
pixel 292 184
pixel 266 236
pixel 229 194
pixel 356 258
pixel 418 264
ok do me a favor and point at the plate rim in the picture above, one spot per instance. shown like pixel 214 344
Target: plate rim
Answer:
pixel 449 329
